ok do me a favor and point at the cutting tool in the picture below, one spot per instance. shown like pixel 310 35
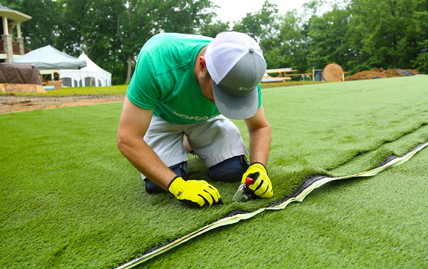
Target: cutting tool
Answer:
pixel 244 193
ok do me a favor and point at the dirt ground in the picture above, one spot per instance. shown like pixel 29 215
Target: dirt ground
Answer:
pixel 14 103
pixel 378 73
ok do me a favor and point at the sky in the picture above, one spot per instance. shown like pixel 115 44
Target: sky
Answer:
pixel 234 10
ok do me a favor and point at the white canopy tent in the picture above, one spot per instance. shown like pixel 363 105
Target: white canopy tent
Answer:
pixel 49 58
pixel 91 75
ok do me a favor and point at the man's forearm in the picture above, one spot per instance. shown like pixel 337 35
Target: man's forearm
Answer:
pixel 146 161
pixel 133 125
pixel 260 136
pixel 260 144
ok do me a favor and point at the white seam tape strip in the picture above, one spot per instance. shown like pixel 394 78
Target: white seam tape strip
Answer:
pixel 243 216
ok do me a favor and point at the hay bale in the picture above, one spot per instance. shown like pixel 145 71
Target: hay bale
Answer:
pixel 333 72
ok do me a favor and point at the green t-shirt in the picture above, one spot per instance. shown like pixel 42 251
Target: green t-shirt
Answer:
pixel 164 79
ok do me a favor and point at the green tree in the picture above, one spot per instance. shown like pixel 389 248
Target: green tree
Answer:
pixel 420 24
pixel 313 8
pixel 357 29
pixel 291 50
pixel 260 25
pixel 135 25
pixel 386 31
pixel 90 27
pixel 87 25
pixel 143 19
pixel 110 32
pixel 184 16
pixel 211 29
pixel 326 38
pixel 263 26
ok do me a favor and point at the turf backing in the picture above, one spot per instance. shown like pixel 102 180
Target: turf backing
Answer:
pixel 69 199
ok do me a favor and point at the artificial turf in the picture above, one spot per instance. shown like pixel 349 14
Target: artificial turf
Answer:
pixel 375 222
pixel 69 199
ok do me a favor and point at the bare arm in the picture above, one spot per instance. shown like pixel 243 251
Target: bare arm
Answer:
pixel 133 125
pixel 260 137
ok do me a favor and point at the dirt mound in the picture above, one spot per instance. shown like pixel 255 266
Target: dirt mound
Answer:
pixel 379 73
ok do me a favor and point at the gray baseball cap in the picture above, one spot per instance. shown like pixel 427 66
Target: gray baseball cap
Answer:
pixel 236 65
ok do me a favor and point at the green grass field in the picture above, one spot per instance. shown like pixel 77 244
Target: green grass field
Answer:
pixel 70 200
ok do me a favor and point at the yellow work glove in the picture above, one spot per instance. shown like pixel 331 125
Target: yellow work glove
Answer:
pixel 194 192
pixel 260 184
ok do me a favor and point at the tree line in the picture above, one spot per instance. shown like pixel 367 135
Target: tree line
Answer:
pixel 357 34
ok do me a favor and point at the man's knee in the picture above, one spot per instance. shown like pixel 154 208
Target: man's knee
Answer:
pixel 179 169
pixel 230 170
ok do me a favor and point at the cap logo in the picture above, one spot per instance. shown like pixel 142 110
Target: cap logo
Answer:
pixel 243 89
pixel 237 92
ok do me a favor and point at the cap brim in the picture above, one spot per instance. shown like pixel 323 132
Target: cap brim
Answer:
pixel 236 107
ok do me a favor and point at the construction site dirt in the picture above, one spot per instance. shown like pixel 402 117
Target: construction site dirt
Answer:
pixel 380 73
pixel 16 103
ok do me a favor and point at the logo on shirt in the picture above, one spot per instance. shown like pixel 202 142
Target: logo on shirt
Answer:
pixel 196 118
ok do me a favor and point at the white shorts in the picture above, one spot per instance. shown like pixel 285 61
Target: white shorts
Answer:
pixel 214 140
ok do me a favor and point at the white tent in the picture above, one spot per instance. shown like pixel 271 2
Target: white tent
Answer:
pixel 49 58
pixel 91 75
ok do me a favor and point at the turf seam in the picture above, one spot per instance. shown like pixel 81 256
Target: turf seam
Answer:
pixel 305 188
pixel 363 152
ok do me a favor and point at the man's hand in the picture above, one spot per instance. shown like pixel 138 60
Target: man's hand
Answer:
pixel 194 192
pixel 261 184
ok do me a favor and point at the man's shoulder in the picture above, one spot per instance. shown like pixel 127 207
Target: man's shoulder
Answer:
pixel 173 37
pixel 175 41
pixel 171 51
